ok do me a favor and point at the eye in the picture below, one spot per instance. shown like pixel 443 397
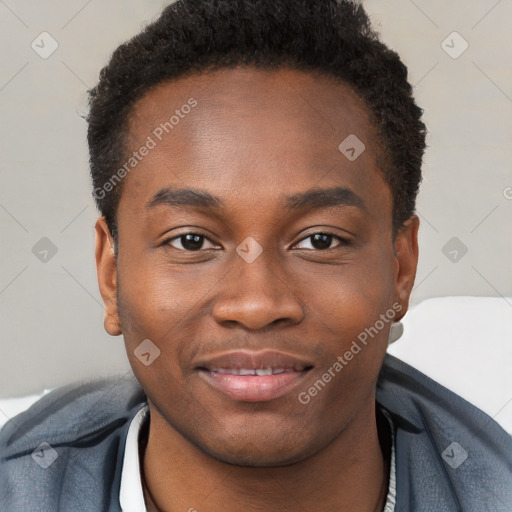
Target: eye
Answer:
pixel 322 241
pixel 189 242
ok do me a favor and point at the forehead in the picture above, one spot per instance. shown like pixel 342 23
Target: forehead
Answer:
pixel 315 102
pixel 253 132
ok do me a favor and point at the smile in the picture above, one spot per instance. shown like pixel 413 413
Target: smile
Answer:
pixel 253 376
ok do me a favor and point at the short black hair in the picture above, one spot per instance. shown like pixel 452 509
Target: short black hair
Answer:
pixel 332 37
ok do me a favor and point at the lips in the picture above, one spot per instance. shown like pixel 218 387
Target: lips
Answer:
pixel 253 376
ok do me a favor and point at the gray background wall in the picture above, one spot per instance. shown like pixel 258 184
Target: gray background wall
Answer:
pixel 51 315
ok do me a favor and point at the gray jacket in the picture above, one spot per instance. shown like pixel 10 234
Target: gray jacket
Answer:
pixel 450 456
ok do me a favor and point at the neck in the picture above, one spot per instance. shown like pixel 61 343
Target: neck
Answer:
pixel 351 473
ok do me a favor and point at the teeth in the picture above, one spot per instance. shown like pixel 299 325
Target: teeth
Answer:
pixel 224 371
pixel 250 371
pixel 264 371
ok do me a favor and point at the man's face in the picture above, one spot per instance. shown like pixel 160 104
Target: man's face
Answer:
pixel 214 305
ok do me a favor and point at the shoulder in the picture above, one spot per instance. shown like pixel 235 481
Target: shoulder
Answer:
pixel 446 447
pixel 415 396
pixel 68 447
pixel 72 412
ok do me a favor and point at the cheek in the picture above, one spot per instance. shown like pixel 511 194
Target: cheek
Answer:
pixel 353 337
pixel 353 311
pixel 350 297
pixel 160 296
pixel 163 304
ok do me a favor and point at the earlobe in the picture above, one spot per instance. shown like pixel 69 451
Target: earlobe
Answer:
pixel 406 249
pixel 106 269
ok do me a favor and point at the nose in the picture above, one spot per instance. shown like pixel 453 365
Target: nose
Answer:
pixel 256 295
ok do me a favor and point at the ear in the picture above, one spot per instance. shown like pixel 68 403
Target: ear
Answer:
pixel 406 259
pixel 107 276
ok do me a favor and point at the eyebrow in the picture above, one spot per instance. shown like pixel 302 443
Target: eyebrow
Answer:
pixel 185 197
pixel 324 198
pixel 310 200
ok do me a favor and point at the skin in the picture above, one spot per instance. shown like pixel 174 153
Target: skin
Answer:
pixel 255 138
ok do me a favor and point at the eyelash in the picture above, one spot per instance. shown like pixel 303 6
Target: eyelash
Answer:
pixel 342 241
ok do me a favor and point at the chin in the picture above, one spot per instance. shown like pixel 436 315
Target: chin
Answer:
pixel 258 450
pixel 256 458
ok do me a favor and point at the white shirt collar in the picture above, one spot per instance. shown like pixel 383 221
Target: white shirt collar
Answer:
pixel 131 495
pixel 390 504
